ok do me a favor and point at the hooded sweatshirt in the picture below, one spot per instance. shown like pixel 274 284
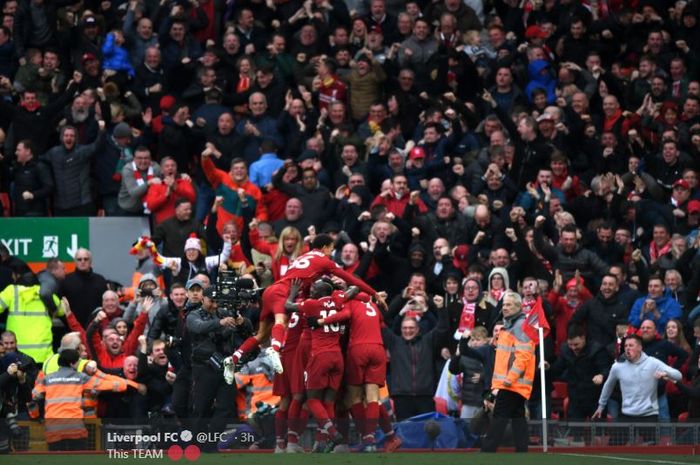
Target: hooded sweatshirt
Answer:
pixel 541 80
pixel 638 385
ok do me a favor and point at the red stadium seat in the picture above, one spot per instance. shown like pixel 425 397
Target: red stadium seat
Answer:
pixel 560 399
pixel 6 206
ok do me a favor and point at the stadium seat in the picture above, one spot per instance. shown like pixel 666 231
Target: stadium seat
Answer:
pixel 6 206
pixel 560 399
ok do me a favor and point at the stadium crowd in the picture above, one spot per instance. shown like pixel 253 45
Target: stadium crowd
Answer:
pixel 439 153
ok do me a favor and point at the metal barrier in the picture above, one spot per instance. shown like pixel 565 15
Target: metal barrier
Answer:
pixel 597 434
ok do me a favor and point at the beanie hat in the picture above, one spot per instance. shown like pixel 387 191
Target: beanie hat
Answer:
pixel 121 130
pixel 193 243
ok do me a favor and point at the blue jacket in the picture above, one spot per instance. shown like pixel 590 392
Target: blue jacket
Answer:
pixel 668 307
pixel 115 57
pixel 540 80
pixel 268 130
pixel 261 171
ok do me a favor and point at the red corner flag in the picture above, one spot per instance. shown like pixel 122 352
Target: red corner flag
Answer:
pixel 534 320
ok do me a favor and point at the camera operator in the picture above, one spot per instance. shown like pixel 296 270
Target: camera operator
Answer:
pixel 166 324
pixel 148 287
pixel 183 383
pixel 213 332
pixel 15 390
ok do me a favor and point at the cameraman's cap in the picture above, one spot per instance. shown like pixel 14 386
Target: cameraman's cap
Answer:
pixel 210 292
pixel 194 282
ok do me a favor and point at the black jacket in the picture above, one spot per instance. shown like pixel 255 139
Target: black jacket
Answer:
pixel 36 178
pixel 84 293
pixel 209 337
pixel 578 372
pixel 600 315
pixel 153 376
pixel 469 363
pixel 413 362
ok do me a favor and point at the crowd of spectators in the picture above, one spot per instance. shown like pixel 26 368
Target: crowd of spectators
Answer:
pixel 454 149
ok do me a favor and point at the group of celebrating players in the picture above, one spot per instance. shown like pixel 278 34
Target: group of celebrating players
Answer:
pixel 305 315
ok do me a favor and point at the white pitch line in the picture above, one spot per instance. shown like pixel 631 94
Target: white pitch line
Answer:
pixel 627 459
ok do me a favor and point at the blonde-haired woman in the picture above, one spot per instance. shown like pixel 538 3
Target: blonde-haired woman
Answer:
pixel 289 246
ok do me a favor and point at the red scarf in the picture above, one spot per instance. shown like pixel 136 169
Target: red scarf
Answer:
pixel 497 294
pixel 467 319
pixel 528 303
pixel 139 181
pixel 655 253
pixel 243 84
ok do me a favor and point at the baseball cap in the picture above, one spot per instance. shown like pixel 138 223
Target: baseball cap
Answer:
pixel 88 57
pixel 416 152
pixel 167 102
pixel 682 183
pixel 377 29
pixel 461 253
pixel 89 21
pixel 194 282
pixel 694 206
pixel 535 32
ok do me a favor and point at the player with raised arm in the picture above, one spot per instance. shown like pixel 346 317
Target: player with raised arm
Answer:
pixel 273 318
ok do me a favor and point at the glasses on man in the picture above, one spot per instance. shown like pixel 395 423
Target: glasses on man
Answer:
pixel 82 259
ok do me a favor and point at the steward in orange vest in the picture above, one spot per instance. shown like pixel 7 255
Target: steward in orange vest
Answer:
pixel 62 393
pixel 513 375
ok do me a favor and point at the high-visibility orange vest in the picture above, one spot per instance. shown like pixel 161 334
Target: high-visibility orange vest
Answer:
pixel 251 390
pixel 514 369
pixel 62 393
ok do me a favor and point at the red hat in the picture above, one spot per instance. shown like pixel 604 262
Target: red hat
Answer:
pixel 694 206
pixel 416 152
pixel 571 283
pixel 683 183
pixel 377 29
pixel 535 32
pixel 461 253
pixel 88 57
pixel 167 102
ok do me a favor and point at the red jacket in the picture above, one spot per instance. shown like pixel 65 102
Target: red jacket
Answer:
pixel 563 312
pixel 232 208
pixel 162 204
pixel 275 201
pixel 107 361
pixel 398 206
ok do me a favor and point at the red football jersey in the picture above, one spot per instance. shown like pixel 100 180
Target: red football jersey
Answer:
pixel 365 321
pixel 314 264
pixel 327 337
pixel 295 326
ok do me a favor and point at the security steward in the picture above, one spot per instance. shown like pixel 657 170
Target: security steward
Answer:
pixel 513 376
pixel 213 333
pixel 62 393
